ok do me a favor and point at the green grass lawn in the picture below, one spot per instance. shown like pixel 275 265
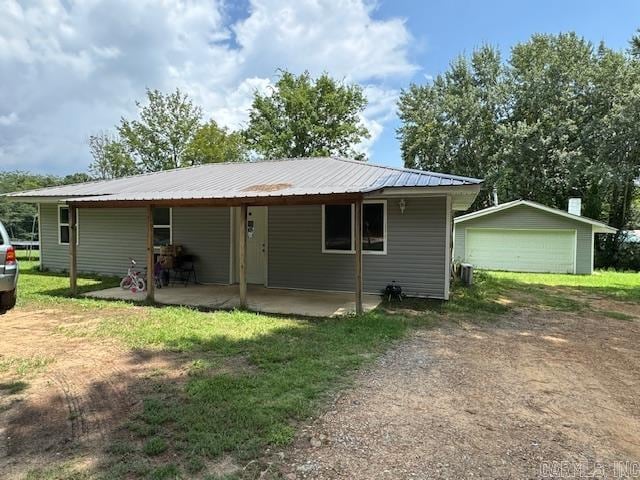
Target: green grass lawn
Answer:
pixel 251 378
pixel 619 285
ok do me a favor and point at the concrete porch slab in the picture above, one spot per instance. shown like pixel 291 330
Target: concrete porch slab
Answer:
pixel 310 303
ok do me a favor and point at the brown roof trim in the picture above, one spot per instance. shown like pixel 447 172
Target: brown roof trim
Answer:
pixel 221 202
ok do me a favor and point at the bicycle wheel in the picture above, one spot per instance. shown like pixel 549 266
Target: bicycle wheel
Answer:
pixel 141 285
pixel 125 283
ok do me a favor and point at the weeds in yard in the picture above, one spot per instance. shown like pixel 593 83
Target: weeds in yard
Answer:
pixel 58 472
pixel 23 366
pixel 617 315
pixel 155 446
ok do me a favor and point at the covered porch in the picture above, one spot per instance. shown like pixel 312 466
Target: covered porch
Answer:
pixel 240 293
pixel 310 303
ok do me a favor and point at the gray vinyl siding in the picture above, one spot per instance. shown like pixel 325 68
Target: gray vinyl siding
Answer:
pixel 205 233
pixel 109 236
pixel 415 251
pixel 526 217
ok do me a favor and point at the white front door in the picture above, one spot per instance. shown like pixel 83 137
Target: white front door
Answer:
pixel 256 245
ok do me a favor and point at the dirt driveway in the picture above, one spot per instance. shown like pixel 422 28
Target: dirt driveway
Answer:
pixel 75 391
pixel 495 400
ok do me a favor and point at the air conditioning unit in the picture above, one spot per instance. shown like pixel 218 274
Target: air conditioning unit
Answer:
pixel 466 273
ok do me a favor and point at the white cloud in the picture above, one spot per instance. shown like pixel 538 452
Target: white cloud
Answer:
pixel 70 69
pixel 336 36
pixel 380 110
pixel 9 119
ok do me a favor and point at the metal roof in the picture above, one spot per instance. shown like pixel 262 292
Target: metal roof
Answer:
pixel 285 177
pixel 599 227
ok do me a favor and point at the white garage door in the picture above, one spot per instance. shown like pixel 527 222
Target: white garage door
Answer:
pixel 521 250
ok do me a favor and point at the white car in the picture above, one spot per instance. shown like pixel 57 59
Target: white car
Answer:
pixel 8 272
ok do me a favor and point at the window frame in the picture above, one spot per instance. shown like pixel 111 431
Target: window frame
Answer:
pixel 384 228
pixel 68 225
pixel 353 234
pixel 169 226
pixel 353 231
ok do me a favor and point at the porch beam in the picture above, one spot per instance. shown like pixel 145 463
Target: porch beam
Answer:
pixel 358 259
pixel 73 250
pixel 242 256
pixel 151 284
pixel 327 199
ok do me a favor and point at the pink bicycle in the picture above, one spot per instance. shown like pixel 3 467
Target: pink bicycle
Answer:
pixel 133 281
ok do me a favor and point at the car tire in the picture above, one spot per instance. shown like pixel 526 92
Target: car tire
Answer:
pixel 7 300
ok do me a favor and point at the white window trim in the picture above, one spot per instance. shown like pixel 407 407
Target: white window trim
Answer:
pixel 384 228
pixel 169 226
pixel 353 242
pixel 60 224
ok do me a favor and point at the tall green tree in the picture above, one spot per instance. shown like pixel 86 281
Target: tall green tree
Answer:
pixel 110 157
pixel 544 154
pixel 306 117
pixel 166 126
pixel 214 144
pixel 634 44
pixel 556 121
pixel 454 123
pixel 559 119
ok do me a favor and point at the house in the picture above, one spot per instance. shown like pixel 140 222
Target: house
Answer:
pixel 300 219
pixel 525 236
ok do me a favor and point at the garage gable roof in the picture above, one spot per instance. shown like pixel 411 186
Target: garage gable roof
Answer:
pixel 598 227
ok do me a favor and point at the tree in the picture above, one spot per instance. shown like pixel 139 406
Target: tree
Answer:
pixel 110 157
pixel 305 117
pixel 166 127
pixel 213 144
pixel 18 217
pixel 635 44
pixel 454 123
pixel 559 119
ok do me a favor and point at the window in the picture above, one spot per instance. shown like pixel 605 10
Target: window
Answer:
pixel 64 231
pixel 337 227
pixel 338 231
pixel 374 228
pixel 162 234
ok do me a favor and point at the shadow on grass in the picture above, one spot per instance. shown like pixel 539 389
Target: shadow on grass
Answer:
pixel 13 387
pixel 245 381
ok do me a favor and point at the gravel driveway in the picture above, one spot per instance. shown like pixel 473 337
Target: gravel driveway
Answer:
pixel 511 399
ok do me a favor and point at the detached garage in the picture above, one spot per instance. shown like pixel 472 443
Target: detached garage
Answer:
pixel 524 236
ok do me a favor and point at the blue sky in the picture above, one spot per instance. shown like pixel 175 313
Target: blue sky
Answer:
pixel 77 67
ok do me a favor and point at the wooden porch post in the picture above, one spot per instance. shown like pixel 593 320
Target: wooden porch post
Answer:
pixel 358 259
pixel 242 255
pixel 151 284
pixel 73 249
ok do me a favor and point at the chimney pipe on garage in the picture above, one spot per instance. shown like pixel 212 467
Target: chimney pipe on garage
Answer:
pixel 575 206
pixel 495 196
